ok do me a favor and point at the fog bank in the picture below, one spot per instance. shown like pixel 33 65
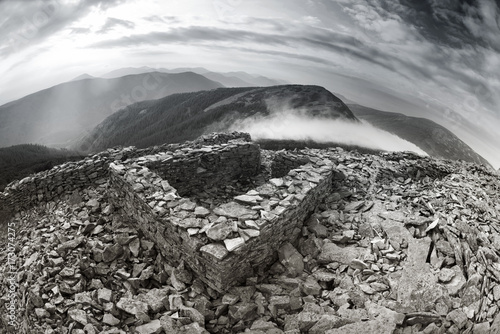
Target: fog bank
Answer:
pixel 296 125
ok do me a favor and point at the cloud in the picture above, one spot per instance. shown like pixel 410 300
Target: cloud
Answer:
pixel 287 124
pixel 31 22
pixel 112 22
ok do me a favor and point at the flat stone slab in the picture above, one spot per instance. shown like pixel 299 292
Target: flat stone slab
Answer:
pixel 418 288
pixel 333 253
pixel 235 210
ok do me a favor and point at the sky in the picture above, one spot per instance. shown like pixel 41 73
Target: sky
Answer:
pixel 438 59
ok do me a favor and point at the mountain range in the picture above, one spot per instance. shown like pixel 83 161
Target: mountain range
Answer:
pixel 146 106
pixel 186 116
pixel 228 79
pixel 434 139
pixel 59 114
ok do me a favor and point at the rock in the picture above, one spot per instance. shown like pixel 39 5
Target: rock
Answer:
pixel 246 199
pixel 67 272
pixel 366 288
pixel 153 327
pixel 187 205
pixel 132 306
pixel 306 320
pixel 242 312
pixel 457 282
pixel 235 210
pixel 147 273
pixel 418 288
pixel 382 313
pixel 220 231
pixel 496 292
pixel 201 212
pixel 446 275
pixel 330 252
pixel 71 244
pixel 42 313
pixel 354 206
pixel 291 259
pixel 495 326
pixel 176 283
pixel 104 295
pixel 78 315
pixel 218 251
pixel 458 317
pixel 326 322
pixel 311 287
pixel 167 324
pixel 135 246
pixel 372 326
pixel 358 264
pixel 155 299
pixel 109 319
pixel 111 252
pixel 278 182
pixel 233 244
pixel 481 328
pixel 193 328
pixel 193 314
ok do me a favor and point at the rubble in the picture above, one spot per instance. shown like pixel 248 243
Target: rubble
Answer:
pixel 358 263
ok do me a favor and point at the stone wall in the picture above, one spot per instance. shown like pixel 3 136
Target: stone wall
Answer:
pixel 285 161
pixel 208 166
pixel 226 244
pixel 222 243
pixel 60 180
pixel 72 176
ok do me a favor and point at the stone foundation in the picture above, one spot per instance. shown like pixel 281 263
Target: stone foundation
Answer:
pixel 222 243
pixel 228 243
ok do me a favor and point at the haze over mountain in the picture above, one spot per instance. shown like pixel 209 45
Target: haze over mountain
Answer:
pixel 292 112
pixel 432 59
pixel 57 115
pixel 185 116
pixel 230 79
pixel 434 139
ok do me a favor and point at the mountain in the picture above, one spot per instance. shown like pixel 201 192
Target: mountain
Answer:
pixel 58 115
pixel 83 76
pixel 230 79
pixel 434 139
pixel 182 117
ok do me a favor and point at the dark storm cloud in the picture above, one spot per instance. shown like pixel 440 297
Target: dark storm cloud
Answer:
pixel 28 23
pixel 112 22
pixel 453 23
pixel 461 34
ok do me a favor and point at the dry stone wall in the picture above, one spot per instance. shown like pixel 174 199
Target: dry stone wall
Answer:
pixel 151 186
pixel 191 170
pixel 244 233
pixel 284 161
pixel 64 179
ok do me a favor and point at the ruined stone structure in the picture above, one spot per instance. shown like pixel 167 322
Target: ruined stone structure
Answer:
pixel 152 187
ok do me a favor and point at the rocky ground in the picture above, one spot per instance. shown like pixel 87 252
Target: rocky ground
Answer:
pixel 404 245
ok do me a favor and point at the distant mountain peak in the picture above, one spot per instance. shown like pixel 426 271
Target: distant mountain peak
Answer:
pixel 83 76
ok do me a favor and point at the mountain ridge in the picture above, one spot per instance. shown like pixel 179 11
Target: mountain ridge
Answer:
pixel 57 115
pixel 186 116
pixel 434 139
